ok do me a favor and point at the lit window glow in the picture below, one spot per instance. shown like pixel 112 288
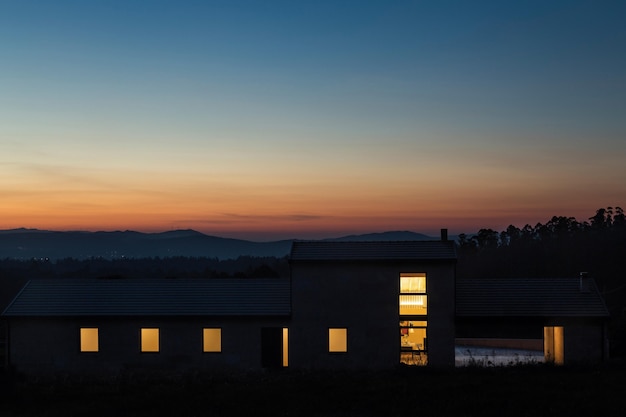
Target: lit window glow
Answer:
pixel 413 283
pixel 149 340
pixel 212 340
pixel 89 339
pixel 553 344
pixel 285 347
pixel 338 340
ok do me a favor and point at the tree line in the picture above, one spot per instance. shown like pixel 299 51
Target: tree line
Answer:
pixel 152 267
pixel 562 247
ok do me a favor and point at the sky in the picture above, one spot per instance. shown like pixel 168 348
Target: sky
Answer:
pixel 304 119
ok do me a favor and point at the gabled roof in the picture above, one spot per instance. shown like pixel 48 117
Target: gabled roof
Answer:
pixel 528 297
pixel 146 297
pixel 373 251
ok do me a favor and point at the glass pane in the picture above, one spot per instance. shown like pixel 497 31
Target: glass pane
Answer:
pixel 413 338
pixel 413 283
pixel 415 305
pixel 285 347
pixel 212 340
pixel 149 340
pixel 89 339
pixel 337 340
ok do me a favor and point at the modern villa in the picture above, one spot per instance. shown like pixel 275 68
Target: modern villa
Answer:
pixel 346 305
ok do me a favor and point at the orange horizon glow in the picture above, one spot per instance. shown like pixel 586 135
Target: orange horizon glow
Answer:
pixel 327 120
pixel 266 200
pixel 277 226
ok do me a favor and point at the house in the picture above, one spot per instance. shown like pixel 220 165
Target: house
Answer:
pixel 569 314
pixel 111 325
pixel 346 305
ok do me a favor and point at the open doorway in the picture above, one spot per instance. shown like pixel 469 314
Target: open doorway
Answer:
pixel 275 347
pixel 553 344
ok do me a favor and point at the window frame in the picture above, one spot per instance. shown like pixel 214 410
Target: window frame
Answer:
pixel 419 293
pixel 413 320
pixel 204 329
pixel 345 344
pixel 80 340
pixel 141 340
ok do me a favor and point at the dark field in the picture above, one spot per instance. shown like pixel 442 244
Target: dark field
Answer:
pixel 518 391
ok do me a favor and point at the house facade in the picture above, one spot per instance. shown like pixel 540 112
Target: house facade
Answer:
pixel 345 305
pixel 115 325
pixel 387 302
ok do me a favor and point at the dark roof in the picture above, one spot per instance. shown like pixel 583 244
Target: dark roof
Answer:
pixel 146 297
pixel 528 297
pixel 373 251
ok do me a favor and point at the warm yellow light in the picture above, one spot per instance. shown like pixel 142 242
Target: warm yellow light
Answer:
pixel 89 339
pixel 553 344
pixel 413 304
pixel 338 340
pixel 212 340
pixel 285 347
pixel 413 283
pixel 412 300
pixel 149 340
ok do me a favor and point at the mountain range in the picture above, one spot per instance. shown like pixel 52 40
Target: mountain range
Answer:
pixel 35 243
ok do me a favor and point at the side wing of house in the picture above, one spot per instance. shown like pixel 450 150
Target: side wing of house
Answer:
pixel 109 326
pixel 568 313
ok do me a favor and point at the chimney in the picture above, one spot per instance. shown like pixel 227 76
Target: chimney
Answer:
pixel 444 235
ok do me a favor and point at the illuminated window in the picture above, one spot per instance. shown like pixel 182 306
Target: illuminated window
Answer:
pixel 149 340
pixel 338 340
pixel 89 339
pixel 413 308
pixel 212 340
pixel 413 342
pixel 285 346
pixel 413 283
pixel 413 298
pixel 553 344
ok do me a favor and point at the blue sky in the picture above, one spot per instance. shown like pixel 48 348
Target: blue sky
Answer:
pixel 268 119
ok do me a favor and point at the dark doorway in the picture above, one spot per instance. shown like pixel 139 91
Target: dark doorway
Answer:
pixel 272 347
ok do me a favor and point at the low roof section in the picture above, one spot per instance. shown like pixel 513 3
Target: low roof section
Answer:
pixel 540 298
pixel 438 250
pixel 151 297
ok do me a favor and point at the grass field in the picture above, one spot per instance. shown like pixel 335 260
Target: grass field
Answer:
pixel 537 390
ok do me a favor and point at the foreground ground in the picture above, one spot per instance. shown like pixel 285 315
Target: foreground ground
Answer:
pixel 538 390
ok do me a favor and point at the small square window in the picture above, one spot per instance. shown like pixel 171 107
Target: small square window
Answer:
pixel 149 340
pixel 89 339
pixel 211 340
pixel 338 340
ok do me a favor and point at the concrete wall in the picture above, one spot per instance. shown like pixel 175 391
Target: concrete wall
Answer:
pixel 363 297
pixel 48 345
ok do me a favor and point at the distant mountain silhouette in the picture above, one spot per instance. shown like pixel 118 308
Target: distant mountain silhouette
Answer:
pixel 34 243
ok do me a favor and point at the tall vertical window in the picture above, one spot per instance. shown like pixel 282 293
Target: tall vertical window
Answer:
pixel 149 339
pixel 413 300
pixel 285 347
pixel 211 340
pixel 413 309
pixel 338 340
pixel 89 339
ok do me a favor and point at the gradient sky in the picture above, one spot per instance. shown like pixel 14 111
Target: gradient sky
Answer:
pixel 282 119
